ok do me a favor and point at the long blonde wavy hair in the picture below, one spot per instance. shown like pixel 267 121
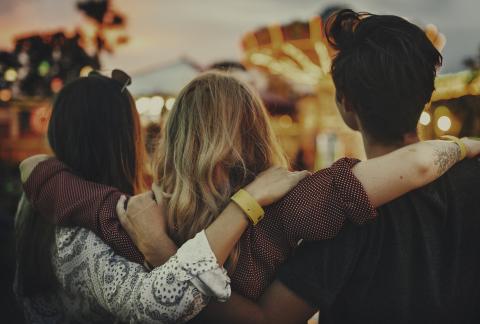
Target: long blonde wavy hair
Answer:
pixel 217 139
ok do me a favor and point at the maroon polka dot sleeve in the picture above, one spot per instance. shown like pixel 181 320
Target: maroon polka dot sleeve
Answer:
pixel 65 199
pixel 316 209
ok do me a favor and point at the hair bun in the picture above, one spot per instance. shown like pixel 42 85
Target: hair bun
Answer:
pixel 340 29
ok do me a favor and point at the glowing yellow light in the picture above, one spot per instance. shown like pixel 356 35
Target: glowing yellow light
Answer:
pixel 10 75
pixel 285 121
pixel 85 70
pixel 143 104
pixel 444 123
pixel 299 56
pixel 323 57
pixel 169 103
pixel 5 94
pixel 260 59
pixel 155 106
pixel 158 101
pixel 425 118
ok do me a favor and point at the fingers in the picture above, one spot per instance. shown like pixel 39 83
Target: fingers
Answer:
pixel 121 212
pixel 27 165
pixel 298 176
pixel 142 199
pixel 121 206
pixel 157 192
pixel 473 146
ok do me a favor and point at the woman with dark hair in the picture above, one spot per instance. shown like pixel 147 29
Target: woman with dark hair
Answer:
pixel 68 274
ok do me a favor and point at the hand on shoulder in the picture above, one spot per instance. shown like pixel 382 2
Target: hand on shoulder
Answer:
pixel 26 166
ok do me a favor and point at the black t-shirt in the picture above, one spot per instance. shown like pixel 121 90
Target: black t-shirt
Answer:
pixel 419 261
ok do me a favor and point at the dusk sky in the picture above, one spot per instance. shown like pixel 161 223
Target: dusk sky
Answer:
pixel 209 30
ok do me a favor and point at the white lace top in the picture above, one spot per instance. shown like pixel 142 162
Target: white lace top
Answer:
pixel 99 286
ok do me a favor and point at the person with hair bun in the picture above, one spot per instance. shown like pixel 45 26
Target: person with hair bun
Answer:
pixel 419 260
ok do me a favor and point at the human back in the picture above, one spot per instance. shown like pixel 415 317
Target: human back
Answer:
pixel 418 262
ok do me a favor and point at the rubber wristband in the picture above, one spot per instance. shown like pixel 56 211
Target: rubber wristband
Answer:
pixel 461 145
pixel 249 206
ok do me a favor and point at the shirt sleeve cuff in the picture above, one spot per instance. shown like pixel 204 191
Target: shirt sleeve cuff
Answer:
pixel 356 204
pixel 199 265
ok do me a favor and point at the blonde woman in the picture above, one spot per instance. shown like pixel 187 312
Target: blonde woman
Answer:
pixel 217 139
pixel 68 274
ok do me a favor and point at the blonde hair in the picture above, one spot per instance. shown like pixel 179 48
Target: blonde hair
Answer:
pixel 217 139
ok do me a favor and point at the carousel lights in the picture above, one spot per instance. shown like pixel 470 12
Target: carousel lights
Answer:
pixel 425 118
pixel 323 57
pixel 56 84
pixel 43 68
pixel 142 105
pixel 157 101
pixel 444 123
pixel 285 121
pixel 261 59
pixel 5 94
pixel 84 71
pixel 23 72
pixel 287 67
pixel 302 59
pixel 169 103
pixel 10 75
pixel 150 106
pixel 155 106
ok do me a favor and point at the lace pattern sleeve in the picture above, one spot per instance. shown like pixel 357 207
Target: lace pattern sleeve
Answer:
pixel 172 293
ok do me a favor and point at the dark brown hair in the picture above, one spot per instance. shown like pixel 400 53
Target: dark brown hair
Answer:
pixel 385 68
pixel 95 130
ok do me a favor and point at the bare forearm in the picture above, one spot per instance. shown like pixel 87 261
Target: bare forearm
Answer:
pixel 163 251
pixel 390 176
pixel 222 235
pixel 446 154
pixel 225 231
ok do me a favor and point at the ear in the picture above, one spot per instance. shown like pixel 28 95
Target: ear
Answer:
pixel 410 138
pixel 347 106
pixel 347 112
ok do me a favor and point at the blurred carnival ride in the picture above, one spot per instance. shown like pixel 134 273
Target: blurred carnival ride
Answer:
pixel 288 64
pixel 312 132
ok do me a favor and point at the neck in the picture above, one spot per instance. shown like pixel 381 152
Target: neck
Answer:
pixel 374 148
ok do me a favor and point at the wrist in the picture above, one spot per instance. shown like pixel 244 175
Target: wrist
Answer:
pixel 249 205
pixel 257 195
pixel 462 148
pixel 159 253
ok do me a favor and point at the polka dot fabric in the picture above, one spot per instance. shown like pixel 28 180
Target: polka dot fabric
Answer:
pixel 314 210
pixel 65 199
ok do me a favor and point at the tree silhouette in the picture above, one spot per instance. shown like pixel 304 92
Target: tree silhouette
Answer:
pixel 106 20
pixel 42 62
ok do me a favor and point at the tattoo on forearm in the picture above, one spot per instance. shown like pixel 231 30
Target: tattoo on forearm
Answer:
pixel 445 157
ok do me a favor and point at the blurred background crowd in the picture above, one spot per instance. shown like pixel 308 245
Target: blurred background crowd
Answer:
pixel 276 45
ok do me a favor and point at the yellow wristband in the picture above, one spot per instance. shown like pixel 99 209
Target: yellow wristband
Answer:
pixel 249 206
pixel 461 145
